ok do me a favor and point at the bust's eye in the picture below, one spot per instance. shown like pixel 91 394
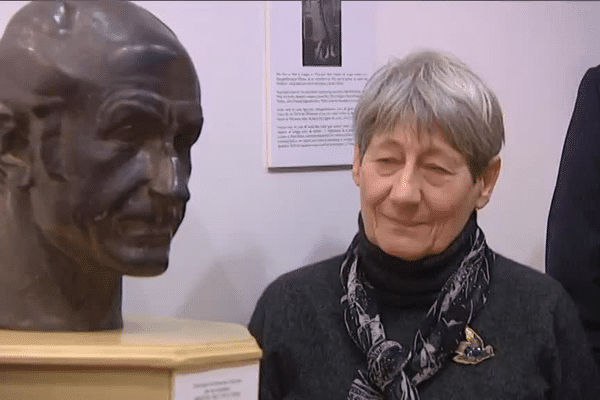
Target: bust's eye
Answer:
pixel 184 139
pixel 134 129
pixel 130 122
pixel 127 135
pixel 123 133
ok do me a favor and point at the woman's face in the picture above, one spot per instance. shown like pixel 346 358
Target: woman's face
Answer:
pixel 417 192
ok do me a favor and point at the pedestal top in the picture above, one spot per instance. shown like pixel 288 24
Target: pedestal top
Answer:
pixel 143 342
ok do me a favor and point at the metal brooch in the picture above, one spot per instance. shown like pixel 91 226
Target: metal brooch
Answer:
pixel 472 350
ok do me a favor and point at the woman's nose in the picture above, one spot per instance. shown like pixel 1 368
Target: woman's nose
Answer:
pixel 406 186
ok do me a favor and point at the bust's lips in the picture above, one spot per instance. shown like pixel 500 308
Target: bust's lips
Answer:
pixel 144 232
pixel 155 226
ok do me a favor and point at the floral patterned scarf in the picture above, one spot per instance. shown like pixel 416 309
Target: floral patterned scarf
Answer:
pixel 393 370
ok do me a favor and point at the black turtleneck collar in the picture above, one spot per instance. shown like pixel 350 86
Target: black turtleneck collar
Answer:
pixel 411 283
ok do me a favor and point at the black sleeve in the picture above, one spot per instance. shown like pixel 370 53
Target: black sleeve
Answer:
pixel 269 387
pixel 573 235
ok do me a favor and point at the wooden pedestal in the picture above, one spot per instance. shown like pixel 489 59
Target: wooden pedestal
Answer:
pixel 150 359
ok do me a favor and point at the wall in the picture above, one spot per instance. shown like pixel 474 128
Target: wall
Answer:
pixel 245 226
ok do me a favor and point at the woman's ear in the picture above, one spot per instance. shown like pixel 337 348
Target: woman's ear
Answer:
pixel 488 180
pixel 356 165
pixel 14 167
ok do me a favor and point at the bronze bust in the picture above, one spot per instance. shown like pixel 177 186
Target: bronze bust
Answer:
pixel 99 107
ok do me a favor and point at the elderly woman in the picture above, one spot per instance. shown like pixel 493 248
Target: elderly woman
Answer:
pixel 419 306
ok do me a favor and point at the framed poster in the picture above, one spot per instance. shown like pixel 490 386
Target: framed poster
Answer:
pixel 319 57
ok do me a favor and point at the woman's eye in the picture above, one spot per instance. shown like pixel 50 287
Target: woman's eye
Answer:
pixel 437 168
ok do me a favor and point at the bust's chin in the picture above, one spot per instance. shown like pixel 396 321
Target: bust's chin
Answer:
pixel 139 257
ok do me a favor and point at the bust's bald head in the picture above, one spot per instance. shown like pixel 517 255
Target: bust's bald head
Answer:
pixel 50 47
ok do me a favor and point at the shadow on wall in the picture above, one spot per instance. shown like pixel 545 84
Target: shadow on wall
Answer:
pixel 328 246
pixel 229 290
pixel 537 257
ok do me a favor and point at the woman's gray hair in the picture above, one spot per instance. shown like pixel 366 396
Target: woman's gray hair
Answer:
pixel 429 90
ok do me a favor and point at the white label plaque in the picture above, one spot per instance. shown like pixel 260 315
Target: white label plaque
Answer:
pixel 228 383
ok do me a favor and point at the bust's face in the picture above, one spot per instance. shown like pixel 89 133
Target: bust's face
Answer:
pixel 123 149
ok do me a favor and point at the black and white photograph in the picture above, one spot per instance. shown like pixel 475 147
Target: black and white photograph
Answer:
pixel 321 33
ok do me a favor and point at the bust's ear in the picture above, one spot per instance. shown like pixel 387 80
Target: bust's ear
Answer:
pixel 15 165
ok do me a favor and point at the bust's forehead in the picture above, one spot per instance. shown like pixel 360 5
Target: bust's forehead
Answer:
pixel 47 43
pixel 113 22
